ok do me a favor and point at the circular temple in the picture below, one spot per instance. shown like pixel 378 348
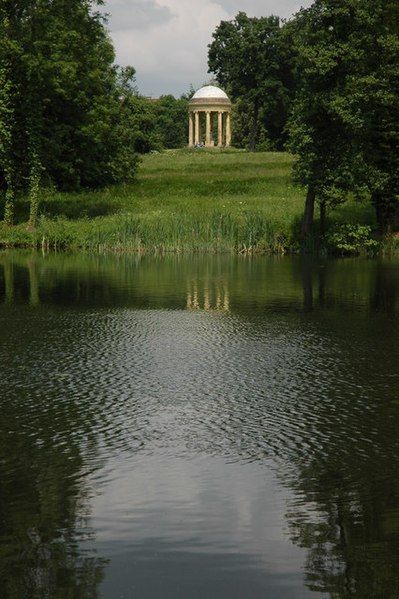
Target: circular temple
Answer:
pixel 209 109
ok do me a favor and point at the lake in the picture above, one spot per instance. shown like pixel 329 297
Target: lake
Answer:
pixel 198 427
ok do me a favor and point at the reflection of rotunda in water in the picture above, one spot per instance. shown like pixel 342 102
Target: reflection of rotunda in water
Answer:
pixel 210 296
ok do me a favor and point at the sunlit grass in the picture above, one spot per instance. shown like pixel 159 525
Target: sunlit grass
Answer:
pixel 183 201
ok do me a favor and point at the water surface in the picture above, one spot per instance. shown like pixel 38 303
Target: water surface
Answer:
pixel 208 427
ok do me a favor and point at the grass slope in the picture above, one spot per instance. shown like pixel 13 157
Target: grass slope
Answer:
pixel 182 201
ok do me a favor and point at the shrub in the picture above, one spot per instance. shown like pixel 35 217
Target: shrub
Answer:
pixel 351 240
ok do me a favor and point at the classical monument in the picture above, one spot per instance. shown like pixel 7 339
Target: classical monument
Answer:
pixel 210 104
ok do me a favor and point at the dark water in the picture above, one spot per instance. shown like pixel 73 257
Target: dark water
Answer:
pixel 207 427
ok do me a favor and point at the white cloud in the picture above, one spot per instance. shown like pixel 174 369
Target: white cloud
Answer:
pixel 166 40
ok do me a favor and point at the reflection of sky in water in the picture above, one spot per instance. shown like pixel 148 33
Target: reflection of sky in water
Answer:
pixel 177 497
pixel 220 528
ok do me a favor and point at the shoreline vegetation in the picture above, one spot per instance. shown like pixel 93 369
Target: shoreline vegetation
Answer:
pixel 193 201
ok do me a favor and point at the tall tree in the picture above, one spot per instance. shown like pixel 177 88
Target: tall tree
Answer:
pixel 318 136
pixel 8 93
pixel 247 57
pixel 60 110
pixel 371 103
pixel 344 124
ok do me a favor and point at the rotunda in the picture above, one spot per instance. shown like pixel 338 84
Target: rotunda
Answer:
pixel 207 105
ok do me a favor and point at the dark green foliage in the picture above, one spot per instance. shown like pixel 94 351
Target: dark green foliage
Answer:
pixel 172 121
pixel 250 58
pixel 7 116
pixel 345 122
pixel 60 110
pixel 351 240
pixel 155 124
pixel 242 128
pixel 270 132
pixel 334 69
pixel 321 140
pixel 141 119
pixel 371 103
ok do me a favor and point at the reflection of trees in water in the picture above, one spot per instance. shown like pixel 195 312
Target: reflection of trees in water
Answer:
pixel 44 495
pixel 386 290
pixel 199 282
pixel 358 285
pixel 349 526
pixel 34 298
pixel 42 507
pixel 8 269
pixel 346 507
pixel 335 430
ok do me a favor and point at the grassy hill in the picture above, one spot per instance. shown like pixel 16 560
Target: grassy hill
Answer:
pixel 182 201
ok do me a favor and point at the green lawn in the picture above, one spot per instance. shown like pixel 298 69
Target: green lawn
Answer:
pixel 183 200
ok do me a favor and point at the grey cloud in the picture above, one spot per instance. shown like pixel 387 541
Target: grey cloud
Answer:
pixel 160 84
pixel 136 14
pixel 282 8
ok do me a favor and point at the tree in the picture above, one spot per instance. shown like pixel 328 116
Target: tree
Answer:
pixel 154 124
pixel 371 103
pixel 8 133
pixel 318 136
pixel 60 108
pixel 344 123
pixel 247 57
pixel 172 121
pixel 140 119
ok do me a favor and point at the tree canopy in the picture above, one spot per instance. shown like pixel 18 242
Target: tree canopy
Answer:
pixel 344 125
pixel 60 107
pixel 248 58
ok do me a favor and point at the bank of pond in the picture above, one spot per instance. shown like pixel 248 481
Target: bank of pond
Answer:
pixel 200 201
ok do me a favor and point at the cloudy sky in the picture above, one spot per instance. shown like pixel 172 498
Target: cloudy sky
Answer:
pixel 166 40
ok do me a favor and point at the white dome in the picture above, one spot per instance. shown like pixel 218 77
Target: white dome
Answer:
pixel 210 91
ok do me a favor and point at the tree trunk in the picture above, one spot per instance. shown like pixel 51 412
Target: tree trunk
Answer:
pixel 308 215
pixel 253 138
pixel 322 217
pixel 387 213
pixel 34 191
pixel 9 207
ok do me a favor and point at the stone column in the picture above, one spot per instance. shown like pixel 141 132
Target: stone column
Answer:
pixel 197 128
pixel 208 129
pixel 220 129
pixel 228 130
pixel 190 129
